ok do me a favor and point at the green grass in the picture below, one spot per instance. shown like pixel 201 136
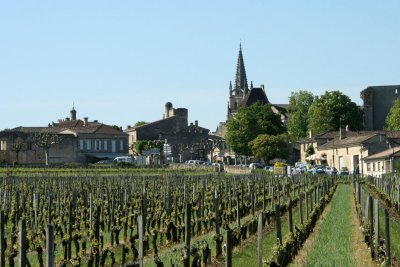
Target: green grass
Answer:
pixel 332 246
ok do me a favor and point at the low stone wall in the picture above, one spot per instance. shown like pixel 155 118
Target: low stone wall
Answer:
pixel 191 166
pixel 236 169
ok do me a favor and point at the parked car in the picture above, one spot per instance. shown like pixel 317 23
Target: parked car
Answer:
pixel 343 171
pixel 125 159
pixel 269 168
pixel 318 170
pixel 330 170
pixel 256 166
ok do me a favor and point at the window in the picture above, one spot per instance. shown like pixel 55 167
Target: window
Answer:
pixel 373 166
pixel 368 167
pixel 113 146
pixel 379 166
pixel 88 147
pixel 105 144
pixel 3 145
pixel 81 144
pixel 121 145
pixel 98 144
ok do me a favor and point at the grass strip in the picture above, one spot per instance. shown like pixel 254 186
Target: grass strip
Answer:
pixel 333 246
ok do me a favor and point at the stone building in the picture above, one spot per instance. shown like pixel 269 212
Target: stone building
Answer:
pixel 353 150
pixel 241 95
pixel 83 141
pixel 377 101
pixel 186 141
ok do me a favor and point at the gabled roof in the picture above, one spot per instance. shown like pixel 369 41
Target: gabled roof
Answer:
pixel 255 95
pixel 384 154
pixel 347 142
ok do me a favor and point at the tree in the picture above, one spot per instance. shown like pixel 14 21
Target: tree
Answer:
pixel 332 110
pixel 17 147
pixel 299 104
pixel 393 118
pixel 46 140
pixel 269 147
pixel 140 123
pixel 248 123
pixel 310 150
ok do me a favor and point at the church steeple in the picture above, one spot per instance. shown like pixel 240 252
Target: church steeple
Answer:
pixel 241 79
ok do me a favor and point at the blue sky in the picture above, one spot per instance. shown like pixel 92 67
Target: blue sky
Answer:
pixel 120 61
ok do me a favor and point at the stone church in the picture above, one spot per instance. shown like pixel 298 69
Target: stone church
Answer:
pixel 241 95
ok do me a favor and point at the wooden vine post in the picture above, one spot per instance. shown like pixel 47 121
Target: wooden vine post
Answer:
pixel 387 239
pixel 278 223
pixel 260 238
pixel 22 244
pixel 229 248
pixel 50 246
pixel 2 240
pixel 188 230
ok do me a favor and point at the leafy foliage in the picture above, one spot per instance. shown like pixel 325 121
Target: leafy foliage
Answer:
pixel 17 147
pixel 148 144
pixel 140 123
pixel 46 140
pixel 269 147
pixel 299 104
pixel 330 110
pixel 250 122
pixel 310 151
pixel 393 118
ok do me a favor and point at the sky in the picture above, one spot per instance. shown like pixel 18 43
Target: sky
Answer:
pixel 119 62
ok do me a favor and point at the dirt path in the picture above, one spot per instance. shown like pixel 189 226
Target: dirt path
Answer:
pixel 301 257
pixel 359 247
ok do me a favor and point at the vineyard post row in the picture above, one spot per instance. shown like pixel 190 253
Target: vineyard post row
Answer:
pixel 119 203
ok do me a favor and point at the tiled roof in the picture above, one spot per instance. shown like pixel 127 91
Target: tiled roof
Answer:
pixel 348 141
pixel 384 154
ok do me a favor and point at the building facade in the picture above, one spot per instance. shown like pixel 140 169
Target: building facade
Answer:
pixel 82 141
pixel 377 101
pixel 185 141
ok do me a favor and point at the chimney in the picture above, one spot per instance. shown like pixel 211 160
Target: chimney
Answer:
pixel 342 134
pixel 85 123
pixel 95 121
pixel 196 123
pixel 128 127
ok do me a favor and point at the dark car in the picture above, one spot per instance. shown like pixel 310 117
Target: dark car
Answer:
pixel 330 170
pixel 343 171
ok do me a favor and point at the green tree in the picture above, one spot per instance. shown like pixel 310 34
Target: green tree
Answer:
pixel 46 140
pixel 393 118
pixel 148 144
pixel 268 147
pixel 248 123
pixel 17 147
pixel 331 110
pixel 139 123
pixel 299 103
pixel 310 150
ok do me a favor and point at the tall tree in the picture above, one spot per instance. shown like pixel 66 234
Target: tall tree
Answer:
pixel 332 110
pixel 299 104
pixel 393 118
pixel 248 123
pixel 46 140
pixel 268 147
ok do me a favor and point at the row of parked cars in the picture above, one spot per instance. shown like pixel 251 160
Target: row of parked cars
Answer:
pixel 320 169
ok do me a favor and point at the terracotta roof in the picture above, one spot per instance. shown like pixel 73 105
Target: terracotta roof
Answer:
pixel 384 154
